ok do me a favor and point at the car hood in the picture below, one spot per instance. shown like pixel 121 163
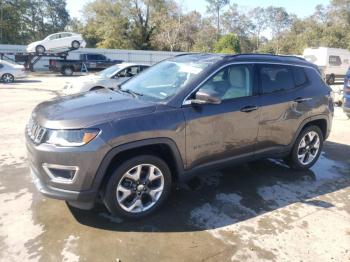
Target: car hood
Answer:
pixel 89 109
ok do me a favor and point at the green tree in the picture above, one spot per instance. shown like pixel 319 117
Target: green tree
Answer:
pixel 228 44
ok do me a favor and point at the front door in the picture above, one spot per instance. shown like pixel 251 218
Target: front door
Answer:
pixel 216 132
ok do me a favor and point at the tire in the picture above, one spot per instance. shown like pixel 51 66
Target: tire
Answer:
pixel 298 149
pixel 75 44
pixel 7 78
pixel 330 79
pixel 138 194
pixel 40 49
pixel 67 71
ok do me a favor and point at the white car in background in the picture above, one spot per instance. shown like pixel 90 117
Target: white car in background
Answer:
pixel 57 42
pixel 108 78
pixel 9 72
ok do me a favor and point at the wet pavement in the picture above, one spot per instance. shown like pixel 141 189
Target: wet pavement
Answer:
pixel 260 211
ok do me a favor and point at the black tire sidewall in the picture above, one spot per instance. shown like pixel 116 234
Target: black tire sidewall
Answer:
pixel 331 80
pixel 109 197
pixel 39 46
pixel 73 44
pixel 293 160
pixel 13 78
pixel 64 71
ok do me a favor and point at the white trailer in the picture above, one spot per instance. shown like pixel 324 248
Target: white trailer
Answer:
pixel 333 62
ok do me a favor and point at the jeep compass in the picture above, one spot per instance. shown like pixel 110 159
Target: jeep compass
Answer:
pixel 129 145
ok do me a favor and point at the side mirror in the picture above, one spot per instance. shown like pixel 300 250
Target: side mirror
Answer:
pixel 206 97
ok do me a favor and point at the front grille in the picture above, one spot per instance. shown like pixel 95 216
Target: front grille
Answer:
pixel 35 131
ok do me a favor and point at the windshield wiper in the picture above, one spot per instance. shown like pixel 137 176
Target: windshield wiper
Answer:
pixel 120 90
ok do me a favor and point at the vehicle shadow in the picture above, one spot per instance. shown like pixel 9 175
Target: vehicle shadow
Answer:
pixel 23 81
pixel 223 198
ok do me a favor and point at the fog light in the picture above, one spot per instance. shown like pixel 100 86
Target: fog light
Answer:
pixel 61 174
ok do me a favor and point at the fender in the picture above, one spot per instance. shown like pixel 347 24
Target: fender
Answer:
pixel 101 172
pixel 308 120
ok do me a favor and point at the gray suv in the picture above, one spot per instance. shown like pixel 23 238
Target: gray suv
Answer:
pixel 128 146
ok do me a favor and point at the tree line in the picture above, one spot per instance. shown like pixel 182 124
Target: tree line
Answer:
pixel 164 25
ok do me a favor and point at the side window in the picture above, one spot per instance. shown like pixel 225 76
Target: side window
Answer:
pixel 63 35
pixel 134 70
pixel 231 82
pixel 275 78
pixel 334 60
pixel 143 68
pixel 100 57
pixel 299 76
pixel 55 36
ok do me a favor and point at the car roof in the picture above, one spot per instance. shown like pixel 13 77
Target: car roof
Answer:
pixel 132 64
pixel 63 32
pixel 266 58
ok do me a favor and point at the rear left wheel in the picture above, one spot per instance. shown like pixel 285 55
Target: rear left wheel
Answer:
pixel 138 187
pixel 307 148
pixel 75 44
pixel 8 78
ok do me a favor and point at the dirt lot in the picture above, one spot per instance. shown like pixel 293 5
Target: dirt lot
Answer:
pixel 260 211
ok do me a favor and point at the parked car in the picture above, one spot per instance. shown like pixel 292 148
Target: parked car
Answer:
pixel 332 62
pixel 108 78
pixel 58 41
pixel 181 116
pixel 9 72
pixel 346 94
pixel 86 62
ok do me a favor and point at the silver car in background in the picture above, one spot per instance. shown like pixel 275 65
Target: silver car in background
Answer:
pixel 9 72
pixel 108 78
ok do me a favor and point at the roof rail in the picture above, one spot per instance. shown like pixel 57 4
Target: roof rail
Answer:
pixel 264 54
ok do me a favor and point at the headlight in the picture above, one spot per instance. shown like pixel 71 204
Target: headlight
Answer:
pixel 67 138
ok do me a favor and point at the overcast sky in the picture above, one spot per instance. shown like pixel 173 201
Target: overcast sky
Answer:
pixel 301 8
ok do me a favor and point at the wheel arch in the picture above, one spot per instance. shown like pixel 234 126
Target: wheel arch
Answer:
pixel 322 121
pixel 164 148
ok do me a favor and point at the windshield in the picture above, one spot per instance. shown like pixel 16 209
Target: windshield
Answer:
pixel 162 81
pixel 109 72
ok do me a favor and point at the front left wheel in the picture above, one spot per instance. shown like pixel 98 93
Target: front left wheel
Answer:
pixel 138 187
pixel 7 78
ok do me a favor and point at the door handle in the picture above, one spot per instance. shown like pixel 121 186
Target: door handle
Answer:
pixel 302 99
pixel 248 109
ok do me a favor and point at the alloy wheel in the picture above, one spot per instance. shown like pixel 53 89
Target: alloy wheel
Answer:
pixel 140 188
pixel 7 78
pixel 308 148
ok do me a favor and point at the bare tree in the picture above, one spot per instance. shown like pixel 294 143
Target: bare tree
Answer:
pixel 260 21
pixel 215 7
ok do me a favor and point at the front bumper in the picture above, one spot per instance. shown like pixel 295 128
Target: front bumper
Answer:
pixel 81 192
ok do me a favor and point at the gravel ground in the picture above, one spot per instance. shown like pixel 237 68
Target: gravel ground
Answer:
pixel 261 211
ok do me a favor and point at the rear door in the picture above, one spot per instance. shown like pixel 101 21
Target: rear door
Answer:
pixel 216 132
pixel 284 105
